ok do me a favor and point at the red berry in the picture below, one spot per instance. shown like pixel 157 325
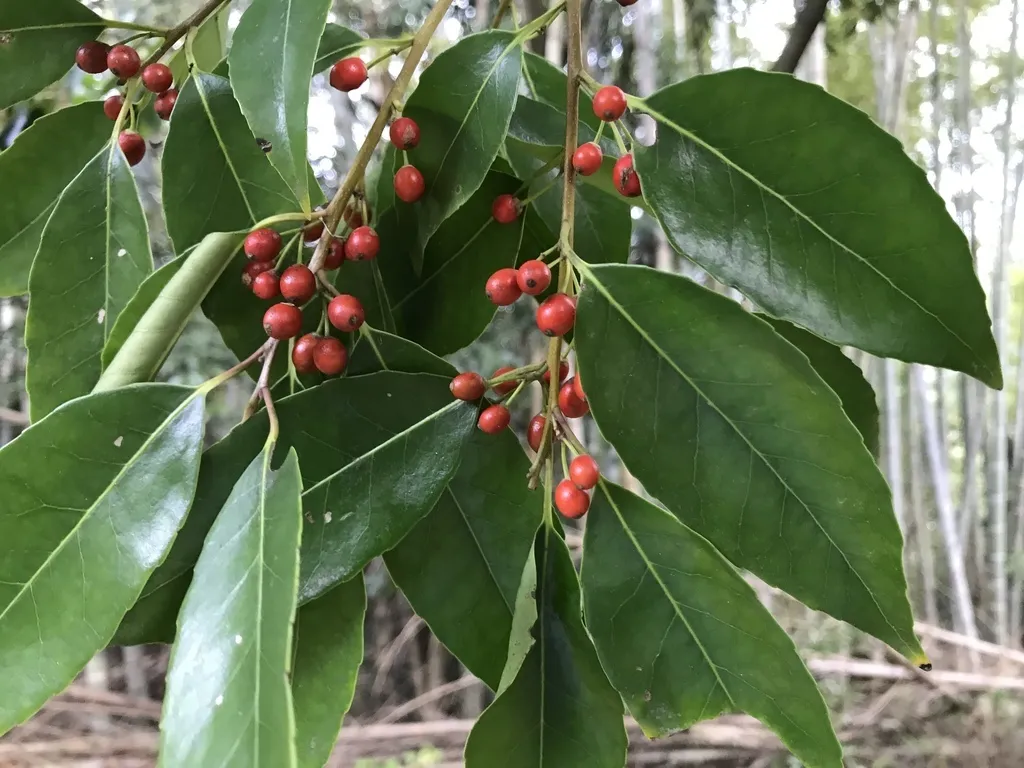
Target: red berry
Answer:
pixel 609 103
pixel 163 105
pixel 335 255
pixel 505 209
pixel 503 287
pixel 570 500
pixel 302 353
pixel 330 356
pixel 92 57
pixel 254 269
pixel 587 159
pixel 312 231
pixel 494 419
pixel 354 215
pixel 124 61
pixel 626 3
pixel 556 315
pixel 506 386
pixel 404 133
pixel 584 472
pixel 577 387
pixel 362 244
pixel 624 177
pixel 348 74
pixel 133 146
pixel 535 432
pixel 468 386
pixel 262 244
pixel 298 284
pixel 282 321
pixel 563 371
pixel 569 404
pixel 409 184
pixel 157 78
pixel 533 277
pixel 112 106
pixel 266 285
pixel 346 313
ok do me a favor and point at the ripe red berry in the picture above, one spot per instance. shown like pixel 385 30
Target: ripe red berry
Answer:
pixel 302 353
pixel 330 356
pixel 124 61
pixel 577 387
pixel 556 315
pixel 587 159
pixel 494 419
pixel 335 255
pixel 570 500
pixel 157 78
pixel 163 105
pixel 468 386
pixel 112 106
pixel 624 177
pixel 584 472
pixel 563 371
pixel 133 146
pixel 282 321
pixel 298 284
pixel 569 404
pixel 266 285
pixel 91 57
pixel 254 269
pixel 533 277
pixel 609 103
pixel 348 74
pixel 404 133
pixel 506 386
pixel 354 215
pixel 503 287
pixel 362 244
pixel 312 231
pixel 535 432
pixel 409 184
pixel 262 244
pixel 346 313
pixel 505 209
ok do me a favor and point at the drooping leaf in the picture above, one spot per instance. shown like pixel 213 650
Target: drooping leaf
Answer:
pixel 209 47
pixel 93 496
pixel 328 653
pixel 93 257
pixel 38 43
pixel 560 710
pixel 381 351
pixel 804 204
pixel 729 426
pixel 39 165
pixel 271 60
pixel 682 635
pixel 336 43
pixel 228 699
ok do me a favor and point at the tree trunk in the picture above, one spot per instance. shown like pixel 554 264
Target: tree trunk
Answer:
pixel 923 534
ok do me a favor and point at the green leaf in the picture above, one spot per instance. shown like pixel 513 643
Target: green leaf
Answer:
pixel 363 280
pixel 271 60
pixel 328 653
pixel 524 616
pixel 38 43
pixel 758 456
pixel 93 257
pixel 93 497
pixel 803 203
pixel 228 699
pixel 683 636
pixel 136 308
pixel 561 711
pixel 548 84
pixel 463 105
pixel 841 374
pixel 380 351
pixel 216 178
pixel 39 165
pixel 209 48
pixel 336 43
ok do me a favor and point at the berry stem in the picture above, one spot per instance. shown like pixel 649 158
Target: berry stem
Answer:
pixel 173 35
pixel 618 138
pixel 394 51
pixel 234 370
pixel 500 13
pixel 275 425
pixel 534 27
pixel 569 437
pixel 261 392
pixel 115 24
pixel 526 373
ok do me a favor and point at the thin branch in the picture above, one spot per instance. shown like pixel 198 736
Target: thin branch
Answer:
pixel 800 34
pixel 500 13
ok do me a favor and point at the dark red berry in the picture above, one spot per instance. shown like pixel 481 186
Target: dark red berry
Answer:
pixel 302 353
pixel 577 387
pixel 133 146
pixel 468 386
pixel 91 57
pixel 506 386
pixel 335 255
pixel 563 371
pixel 254 269
pixel 282 321
pixel 503 287
pixel 535 431
pixel 124 61
pixel 354 215
pixel 569 404
pixel 348 74
pixel 609 103
pixel 266 285
pixel 163 105
pixel 409 184
pixel 556 315
pixel 587 159
pixel 112 106
pixel 157 78
pixel 312 231
pixel 570 500
pixel 494 419
pixel 584 472
pixel 362 244
pixel 262 244
pixel 626 3
pixel 505 209
pixel 298 284
pixel 346 313
pixel 624 177
pixel 533 277
pixel 330 356
pixel 404 133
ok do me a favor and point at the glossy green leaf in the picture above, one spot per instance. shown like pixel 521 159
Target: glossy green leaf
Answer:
pixel 463 104
pixel 561 711
pixel 82 535
pixel 216 178
pixel 271 62
pixel 524 617
pixel 336 43
pixel 328 653
pixel 683 636
pixel 38 43
pixel 548 84
pixel 93 257
pixel 363 280
pixel 39 165
pixel 209 47
pixel 803 203
pixel 228 699
pixel 381 351
pixel 731 428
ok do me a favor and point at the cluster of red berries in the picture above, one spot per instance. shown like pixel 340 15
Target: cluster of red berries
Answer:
pixel 409 182
pixel 556 315
pixel 609 105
